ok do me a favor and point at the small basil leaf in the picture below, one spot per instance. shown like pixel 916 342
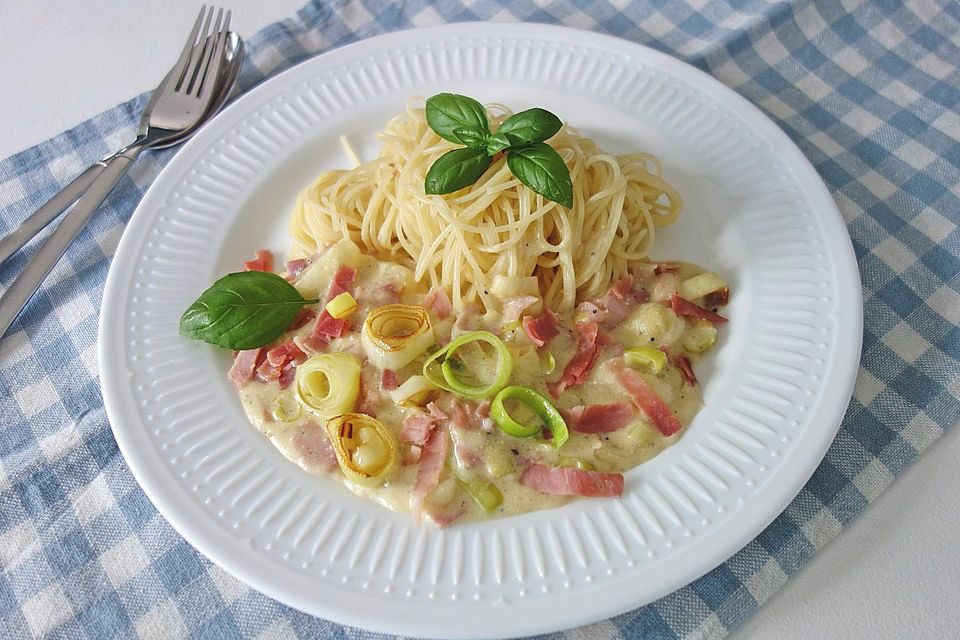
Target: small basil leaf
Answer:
pixel 527 127
pixel 243 310
pixel 543 170
pixel 497 143
pixel 473 139
pixel 447 112
pixel 455 170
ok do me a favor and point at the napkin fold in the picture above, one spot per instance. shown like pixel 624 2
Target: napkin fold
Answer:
pixel 868 91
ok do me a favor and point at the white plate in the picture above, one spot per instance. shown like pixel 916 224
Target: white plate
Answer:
pixel 775 391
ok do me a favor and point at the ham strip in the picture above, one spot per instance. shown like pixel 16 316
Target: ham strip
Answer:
pixel 541 329
pixel 438 302
pixel 582 361
pixel 313 444
pixel 432 457
pixel 388 380
pixel 262 261
pixel 295 267
pixel 564 481
pixel 683 363
pixel 417 428
pixel 687 309
pixel 598 418
pixel 645 398
pixel 243 366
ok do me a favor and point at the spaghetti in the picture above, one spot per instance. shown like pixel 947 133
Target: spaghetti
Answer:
pixel 496 238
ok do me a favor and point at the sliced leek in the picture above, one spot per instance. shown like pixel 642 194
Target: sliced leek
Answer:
pixel 575 463
pixel 646 358
pixel 484 493
pixel 286 408
pixel 395 335
pixel 700 285
pixel 342 306
pixel 539 405
pixel 328 383
pixel 699 336
pixel 366 451
pixel 416 391
pixel 446 367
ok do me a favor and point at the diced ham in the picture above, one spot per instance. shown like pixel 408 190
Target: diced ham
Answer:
pixel 262 261
pixel 541 329
pixel 432 459
pixel 368 398
pixel 417 428
pixel 514 307
pixel 622 287
pixel 304 316
pixel 717 298
pixel 313 445
pixel 327 327
pixel 438 302
pixel 582 361
pixel 569 481
pixel 435 411
pixel 310 344
pixel 666 285
pixel 687 309
pixel 445 518
pixel 295 267
pixel 284 353
pixel 458 415
pixel 645 398
pixel 244 364
pixel 279 363
pixel 342 279
pixel 620 299
pixel 388 380
pixel 468 318
pixel 598 418
pixel 287 375
pixel 686 368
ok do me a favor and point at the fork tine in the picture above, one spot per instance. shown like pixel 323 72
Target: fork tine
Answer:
pixel 196 64
pixel 180 68
pixel 213 64
pixel 203 60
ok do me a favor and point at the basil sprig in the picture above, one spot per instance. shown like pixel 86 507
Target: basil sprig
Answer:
pixel 522 136
pixel 243 310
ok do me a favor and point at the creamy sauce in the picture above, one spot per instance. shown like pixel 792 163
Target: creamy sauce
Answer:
pixel 479 450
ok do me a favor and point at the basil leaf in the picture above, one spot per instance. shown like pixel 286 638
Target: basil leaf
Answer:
pixel 447 112
pixel 527 127
pixel 473 139
pixel 543 170
pixel 455 170
pixel 243 310
pixel 497 143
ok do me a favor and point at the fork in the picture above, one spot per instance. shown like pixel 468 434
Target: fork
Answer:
pixel 175 110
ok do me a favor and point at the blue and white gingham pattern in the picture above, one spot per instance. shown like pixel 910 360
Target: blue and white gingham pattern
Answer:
pixel 869 91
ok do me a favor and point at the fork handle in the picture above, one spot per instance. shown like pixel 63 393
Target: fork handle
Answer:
pixel 25 285
pixel 12 242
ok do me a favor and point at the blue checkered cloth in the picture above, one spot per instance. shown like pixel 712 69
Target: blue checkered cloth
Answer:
pixel 869 93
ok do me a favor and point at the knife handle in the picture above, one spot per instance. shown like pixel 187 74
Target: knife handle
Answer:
pixel 25 285
pixel 16 239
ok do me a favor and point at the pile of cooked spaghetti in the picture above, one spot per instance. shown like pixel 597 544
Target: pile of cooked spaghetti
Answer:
pixel 495 239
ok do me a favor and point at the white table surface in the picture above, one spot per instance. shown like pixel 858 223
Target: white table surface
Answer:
pixel 892 574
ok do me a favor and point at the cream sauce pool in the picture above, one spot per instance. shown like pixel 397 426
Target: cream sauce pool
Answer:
pixel 478 451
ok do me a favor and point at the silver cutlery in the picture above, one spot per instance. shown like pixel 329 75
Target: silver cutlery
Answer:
pixel 190 94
